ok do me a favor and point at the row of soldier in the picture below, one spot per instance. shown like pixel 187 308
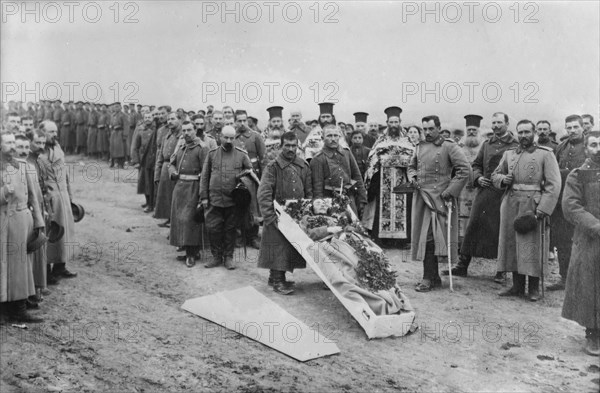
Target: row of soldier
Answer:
pixel 38 217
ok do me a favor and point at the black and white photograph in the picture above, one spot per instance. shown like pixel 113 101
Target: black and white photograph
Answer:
pixel 299 196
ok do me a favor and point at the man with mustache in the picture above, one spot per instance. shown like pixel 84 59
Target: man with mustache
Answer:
pixel 23 152
pixel 530 178
pixel 185 168
pixel 21 220
pixel 570 154
pixel 544 129
pixel 333 168
pixel 482 232
pixel 588 123
pixel 57 192
pixel 440 170
pixel 287 177
pixel 275 122
pixel 215 126
pixel 220 175
pixel 581 207
pixel 205 139
pixel 298 127
pixel 162 179
pixel 143 152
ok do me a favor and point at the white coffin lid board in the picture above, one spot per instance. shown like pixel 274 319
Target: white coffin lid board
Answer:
pixel 248 312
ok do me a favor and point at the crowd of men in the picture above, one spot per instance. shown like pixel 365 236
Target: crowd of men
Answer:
pixel 213 177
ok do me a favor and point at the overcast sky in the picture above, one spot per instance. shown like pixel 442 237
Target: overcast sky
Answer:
pixel 532 60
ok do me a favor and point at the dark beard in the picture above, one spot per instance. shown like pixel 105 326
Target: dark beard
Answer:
pixel 472 141
pixel 542 138
pixel 394 131
pixel 525 143
pixel 227 146
pixel 595 158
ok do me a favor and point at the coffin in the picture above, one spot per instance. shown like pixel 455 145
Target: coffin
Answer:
pixel 375 326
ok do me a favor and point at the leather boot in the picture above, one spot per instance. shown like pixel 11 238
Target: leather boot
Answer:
pixel 18 313
pixel 288 283
pixel 460 269
pixel 534 288
pixel 214 262
pixel 518 287
pixel 279 285
pixel 229 262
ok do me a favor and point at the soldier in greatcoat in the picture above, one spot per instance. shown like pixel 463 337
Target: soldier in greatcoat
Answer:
pixel 20 220
pixel 161 169
pixel 439 170
pixel 570 154
pixel 287 177
pixel 581 207
pixel 140 154
pixel 482 232
pixel 118 136
pixel 57 192
pixel 530 178
pixel 185 168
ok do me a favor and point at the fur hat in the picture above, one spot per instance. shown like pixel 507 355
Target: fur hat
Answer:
pixel 525 222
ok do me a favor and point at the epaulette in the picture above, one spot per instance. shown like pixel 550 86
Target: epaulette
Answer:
pixel 545 148
pixel 345 147
pixel 240 149
pixel 317 154
pixel 214 149
pixel 449 140
pixel 209 136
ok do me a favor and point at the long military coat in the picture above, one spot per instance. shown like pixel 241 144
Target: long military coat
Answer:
pixel 536 185
pixel 164 194
pixel 17 223
pixel 432 165
pixel 482 232
pixel 581 207
pixel 118 136
pixel 55 176
pixel 187 162
pixel 282 180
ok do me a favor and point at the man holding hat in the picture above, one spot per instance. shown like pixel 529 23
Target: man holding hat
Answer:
pixel 55 176
pixel 529 178
pixel 220 175
pixel 439 170
pixel 482 232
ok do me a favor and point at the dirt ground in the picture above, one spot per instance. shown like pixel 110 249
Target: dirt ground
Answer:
pixel 118 326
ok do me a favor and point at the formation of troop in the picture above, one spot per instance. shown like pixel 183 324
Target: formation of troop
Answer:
pixel 517 197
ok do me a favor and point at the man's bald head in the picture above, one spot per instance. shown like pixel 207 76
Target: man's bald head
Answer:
pixel 228 131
